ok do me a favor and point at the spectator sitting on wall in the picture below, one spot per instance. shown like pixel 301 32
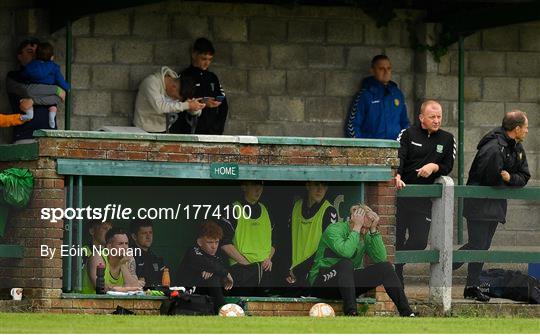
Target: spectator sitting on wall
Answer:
pixel 43 70
pixel 202 268
pixel 163 93
pixel 149 266
pixel 247 241
pixel 338 269
pixel 16 91
pixel 378 111
pixel 213 116
pixel 120 268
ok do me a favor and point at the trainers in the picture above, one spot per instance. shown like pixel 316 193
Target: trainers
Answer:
pixel 351 312
pixel 474 292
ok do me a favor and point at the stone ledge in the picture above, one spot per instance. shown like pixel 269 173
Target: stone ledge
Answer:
pixel 240 139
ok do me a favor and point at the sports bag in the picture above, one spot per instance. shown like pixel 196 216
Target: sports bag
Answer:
pixel 188 304
pixel 512 285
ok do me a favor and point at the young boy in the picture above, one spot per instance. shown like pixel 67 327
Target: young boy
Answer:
pixel 202 268
pixel 43 70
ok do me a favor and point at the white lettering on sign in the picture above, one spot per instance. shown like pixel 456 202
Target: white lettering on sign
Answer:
pixel 225 170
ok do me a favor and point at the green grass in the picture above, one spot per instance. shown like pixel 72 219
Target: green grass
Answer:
pixel 70 323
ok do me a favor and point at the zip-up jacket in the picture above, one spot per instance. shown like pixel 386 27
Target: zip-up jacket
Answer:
pixel 196 261
pixel 339 241
pixel 377 111
pixel 44 72
pixel 211 120
pixel 496 152
pixel 418 148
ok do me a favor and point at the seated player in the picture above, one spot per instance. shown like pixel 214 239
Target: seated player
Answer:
pixel 247 241
pixel 310 217
pixel 119 268
pixel 338 269
pixel 202 268
pixel 149 266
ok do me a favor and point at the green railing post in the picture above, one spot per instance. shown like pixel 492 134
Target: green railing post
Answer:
pixel 68 239
pixel 461 134
pixel 78 287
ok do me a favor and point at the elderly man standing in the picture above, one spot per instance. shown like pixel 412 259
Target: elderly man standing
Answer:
pixel 160 94
pixel 500 161
pixel 378 110
pixel 426 152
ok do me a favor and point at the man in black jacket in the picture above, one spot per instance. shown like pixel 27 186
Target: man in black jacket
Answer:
pixel 426 152
pixel 207 86
pixel 201 267
pixel 500 162
pixel 149 266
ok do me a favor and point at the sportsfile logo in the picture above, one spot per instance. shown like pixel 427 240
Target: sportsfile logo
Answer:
pixel 119 212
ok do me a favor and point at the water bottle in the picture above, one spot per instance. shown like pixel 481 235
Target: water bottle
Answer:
pixel 166 278
pixel 100 279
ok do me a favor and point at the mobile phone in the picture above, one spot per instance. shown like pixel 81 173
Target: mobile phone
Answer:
pixel 205 99
pixel 220 98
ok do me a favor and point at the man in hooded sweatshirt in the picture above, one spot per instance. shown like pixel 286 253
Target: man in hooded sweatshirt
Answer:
pixel 499 162
pixel 161 94
pixel 378 110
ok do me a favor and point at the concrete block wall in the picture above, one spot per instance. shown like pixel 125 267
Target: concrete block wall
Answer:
pixel 286 70
pixel 502 72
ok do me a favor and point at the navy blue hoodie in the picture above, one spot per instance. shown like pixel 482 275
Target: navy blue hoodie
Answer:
pixel 377 112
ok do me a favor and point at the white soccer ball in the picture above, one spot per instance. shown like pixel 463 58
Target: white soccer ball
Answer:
pixel 322 310
pixel 231 310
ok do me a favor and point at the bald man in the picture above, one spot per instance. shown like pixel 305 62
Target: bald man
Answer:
pixel 426 152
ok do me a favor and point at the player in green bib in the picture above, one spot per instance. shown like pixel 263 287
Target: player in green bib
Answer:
pixel 97 230
pixel 120 273
pixel 247 241
pixel 310 217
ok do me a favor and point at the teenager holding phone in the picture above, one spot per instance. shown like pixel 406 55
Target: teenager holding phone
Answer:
pixel 208 89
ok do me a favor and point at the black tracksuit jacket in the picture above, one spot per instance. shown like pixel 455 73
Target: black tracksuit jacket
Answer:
pixel 212 120
pixel 496 152
pixel 418 148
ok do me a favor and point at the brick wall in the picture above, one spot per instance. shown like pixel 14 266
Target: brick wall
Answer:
pixel 41 277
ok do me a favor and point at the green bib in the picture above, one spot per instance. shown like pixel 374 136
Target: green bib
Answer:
pixel 253 236
pixel 88 287
pixel 306 233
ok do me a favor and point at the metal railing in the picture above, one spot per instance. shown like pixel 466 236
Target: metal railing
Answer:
pixel 442 254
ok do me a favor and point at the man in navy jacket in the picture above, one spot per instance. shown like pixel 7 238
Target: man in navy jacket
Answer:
pixel 378 110
pixel 499 162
